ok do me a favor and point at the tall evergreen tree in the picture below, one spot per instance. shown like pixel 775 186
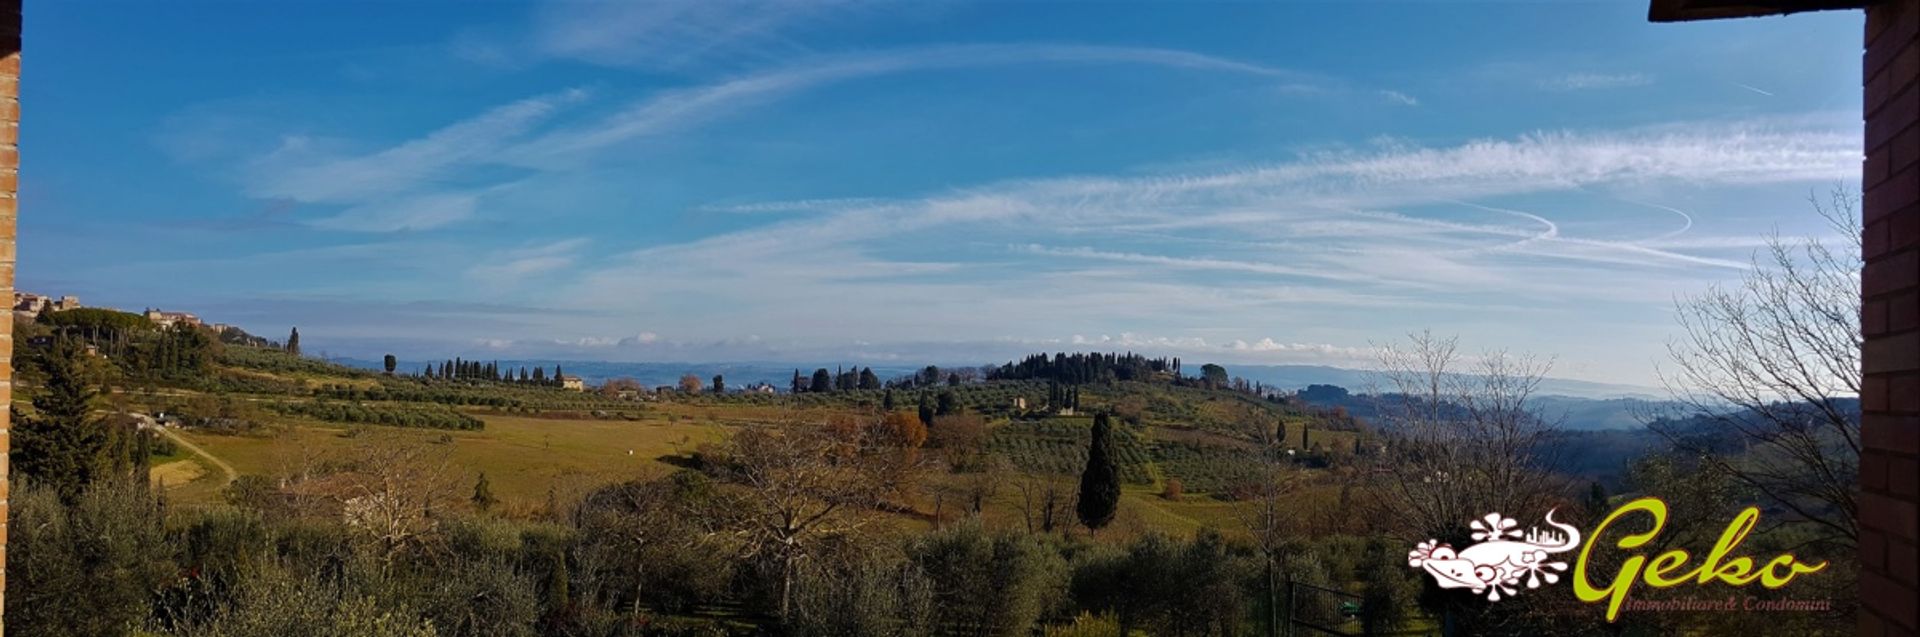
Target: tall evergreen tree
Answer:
pixel 822 381
pixel 293 342
pixel 868 380
pixel 797 388
pixel 557 374
pixel 926 410
pixel 64 445
pixel 886 401
pixel 390 363
pixel 1100 482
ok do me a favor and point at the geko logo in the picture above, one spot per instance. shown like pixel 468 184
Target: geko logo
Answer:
pixel 1504 557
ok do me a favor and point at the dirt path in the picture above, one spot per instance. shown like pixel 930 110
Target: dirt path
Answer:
pixel 229 474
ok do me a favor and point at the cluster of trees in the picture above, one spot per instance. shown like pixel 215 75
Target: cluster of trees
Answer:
pixel 1062 397
pixel 1098 368
pixel 935 376
pixel 135 345
pixel 64 443
pixel 180 351
pixel 97 326
pixel 842 379
pixel 1078 368
pixel 487 371
pixel 426 417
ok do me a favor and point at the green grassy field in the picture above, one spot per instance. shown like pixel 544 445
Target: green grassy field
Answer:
pixel 522 457
pixel 525 458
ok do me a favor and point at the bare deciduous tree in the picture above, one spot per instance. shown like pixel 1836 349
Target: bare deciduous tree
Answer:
pixel 803 482
pixel 1271 517
pixel 1775 360
pixel 1464 439
pixel 1046 499
pixel 396 491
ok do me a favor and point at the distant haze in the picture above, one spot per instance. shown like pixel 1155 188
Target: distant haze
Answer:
pixel 1282 377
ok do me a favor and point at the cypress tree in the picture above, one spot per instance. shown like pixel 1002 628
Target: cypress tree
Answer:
pixel 142 457
pixel 926 410
pixel 63 445
pixel 390 363
pixel 1100 482
pixel 293 342
pixel 483 493
pixel 822 381
pixel 558 594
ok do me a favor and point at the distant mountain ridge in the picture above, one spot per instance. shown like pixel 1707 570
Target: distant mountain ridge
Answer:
pixel 1295 377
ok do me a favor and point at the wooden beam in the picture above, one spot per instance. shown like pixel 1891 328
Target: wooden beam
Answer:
pixel 1689 10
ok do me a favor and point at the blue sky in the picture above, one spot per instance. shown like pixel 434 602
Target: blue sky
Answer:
pixel 952 182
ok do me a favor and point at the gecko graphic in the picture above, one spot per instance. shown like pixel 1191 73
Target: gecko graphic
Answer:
pixel 1501 558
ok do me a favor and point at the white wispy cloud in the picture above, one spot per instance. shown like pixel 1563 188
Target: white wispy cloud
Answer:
pixel 404 186
pixel 677 34
pixel 1360 221
pixel 675 110
pixel 417 212
pixel 298 172
pixel 1400 98
pixel 515 265
pixel 1595 81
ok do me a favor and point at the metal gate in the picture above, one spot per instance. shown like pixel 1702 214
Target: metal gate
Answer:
pixel 1313 610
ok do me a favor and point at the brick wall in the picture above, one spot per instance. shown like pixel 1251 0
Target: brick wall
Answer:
pixel 1890 319
pixel 9 187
